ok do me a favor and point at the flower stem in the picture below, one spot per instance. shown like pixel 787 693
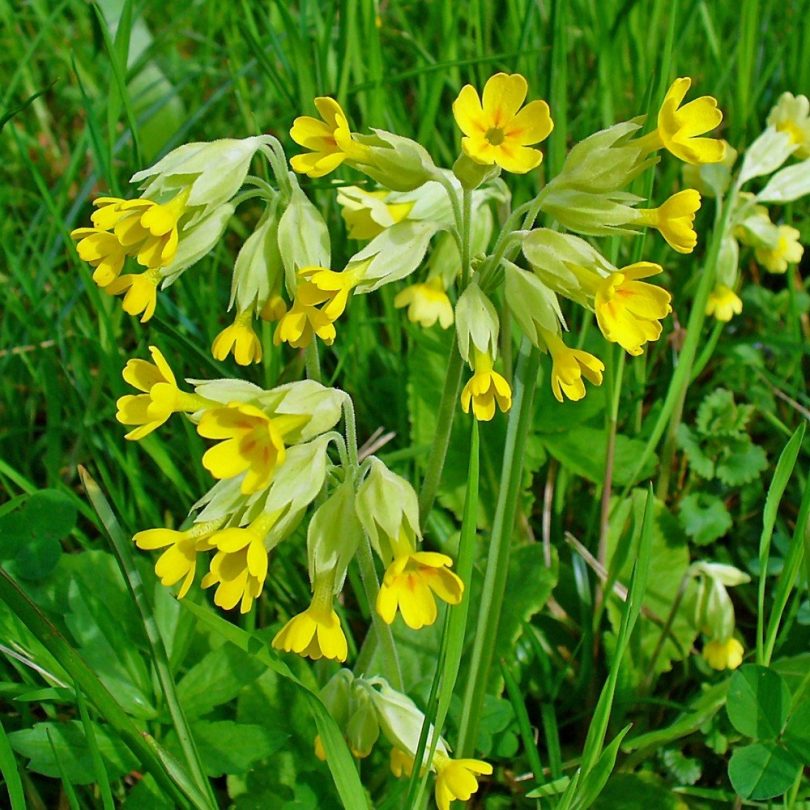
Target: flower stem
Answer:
pixel 313 362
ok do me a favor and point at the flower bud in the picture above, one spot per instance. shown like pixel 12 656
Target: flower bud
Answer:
pixel 395 162
pixel 258 267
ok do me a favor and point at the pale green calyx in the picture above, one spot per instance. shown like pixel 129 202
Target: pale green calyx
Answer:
pixel 477 323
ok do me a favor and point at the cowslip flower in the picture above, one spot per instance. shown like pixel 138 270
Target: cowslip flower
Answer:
pixel 239 568
pixel 628 311
pixel 160 398
pixel 139 291
pixel 679 127
pixel 316 632
pixel 723 303
pixel 787 250
pixel 457 779
pixel 568 368
pixel 411 581
pixel 427 303
pixel 240 339
pixel 179 561
pixel 727 654
pixel 329 139
pixel 252 442
pixel 496 129
pixel 102 251
pixel 675 219
pixel 791 114
pixel 484 389
pixel 367 214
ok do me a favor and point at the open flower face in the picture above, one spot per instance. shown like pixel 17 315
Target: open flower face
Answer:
pixel 496 129
pixel 457 779
pixel 321 137
pixel 628 311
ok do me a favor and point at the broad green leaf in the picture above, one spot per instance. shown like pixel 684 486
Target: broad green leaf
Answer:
pixel 720 415
pixel 758 702
pixel 741 461
pixel 704 517
pixel 797 732
pixel 762 770
pixel 699 461
pixel 71 747
pixel 686 770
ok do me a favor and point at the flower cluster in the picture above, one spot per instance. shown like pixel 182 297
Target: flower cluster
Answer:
pixel 365 707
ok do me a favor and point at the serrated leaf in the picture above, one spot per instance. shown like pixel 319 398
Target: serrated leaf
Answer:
pixel 758 702
pixel 719 414
pixel 699 462
pixel 45 742
pixel 686 770
pixel 704 517
pixel 762 770
pixel 742 461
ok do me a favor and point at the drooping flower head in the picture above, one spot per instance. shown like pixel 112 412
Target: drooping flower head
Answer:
pixel 368 213
pixel 680 127
pixel 160 398
pixel 484 389
pixel 240 339
pixel 139 291
pixel 787 250
pixel 569 366
pixel 629 311
pixel 675 219
pixel 496 129
pixel 723 303
pixel 457 779
pixel 791 114
pixel 723 654
pixel 427 303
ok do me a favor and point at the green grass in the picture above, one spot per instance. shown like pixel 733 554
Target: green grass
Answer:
pixel 93 92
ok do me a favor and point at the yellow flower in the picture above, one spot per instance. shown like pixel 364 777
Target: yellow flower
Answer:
pixel 366 213
pixel 239 567
pixel 140 292
pixel 321 138
pixel 679 127
pixel 628 311
pixel 274 308
pixel 427 303
pixel 723 303
pixel 674 219
pixel 568 368
pixel 180 559
pixel 496 130
pixel 102 251
pixel 726 654
pixel 320 751
pixel 788 250
pixel 317 286
pixel 410 582
pixel 401 763
pixel 161 397
pixel 484 389
pixel 239 338
pixel 792 115
pixel 253 442
pixel 315 633
pixel 457 779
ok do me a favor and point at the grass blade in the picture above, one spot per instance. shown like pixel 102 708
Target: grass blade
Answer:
pixel 11 775
pixel 95 755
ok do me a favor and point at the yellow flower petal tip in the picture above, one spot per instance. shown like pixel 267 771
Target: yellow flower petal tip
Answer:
pixel 722 655
pixel 496 129
pixel 629 311
pixel 723 303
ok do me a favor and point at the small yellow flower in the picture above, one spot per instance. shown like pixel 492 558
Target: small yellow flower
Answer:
pixel 456 779
pixel 568 368
pixel 401 763
pixel 496 129
pixel 484 389
pixel 239 567
pixel 410 583
pixel 102 251
pixel 140 292
pixel 161 397
pixel 723 303
pixel 792 115
pixel 315 633
pixel 274 308
pixel 252 443
pixel 366 213
pixel 180 559
pixel 317 287
pixel 675 219
pixel 427 303
pixel 628 311
pixel 726 654
pixel 679 127
pixel 240 339
pixel 321 138
pixel 788 250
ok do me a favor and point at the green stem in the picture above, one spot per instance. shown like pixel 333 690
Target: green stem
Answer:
pixel 466 228
pixel 313 362
pixel 494 587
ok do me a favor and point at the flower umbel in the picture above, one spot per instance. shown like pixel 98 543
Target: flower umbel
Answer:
pixel 569 366
pixel 496 129
pixel 675 219
pixel 484 389
pixel 315 633
pixel 679 127
pixel 723 303
pixel 628 311
pixel 427 303
pixel 161 397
